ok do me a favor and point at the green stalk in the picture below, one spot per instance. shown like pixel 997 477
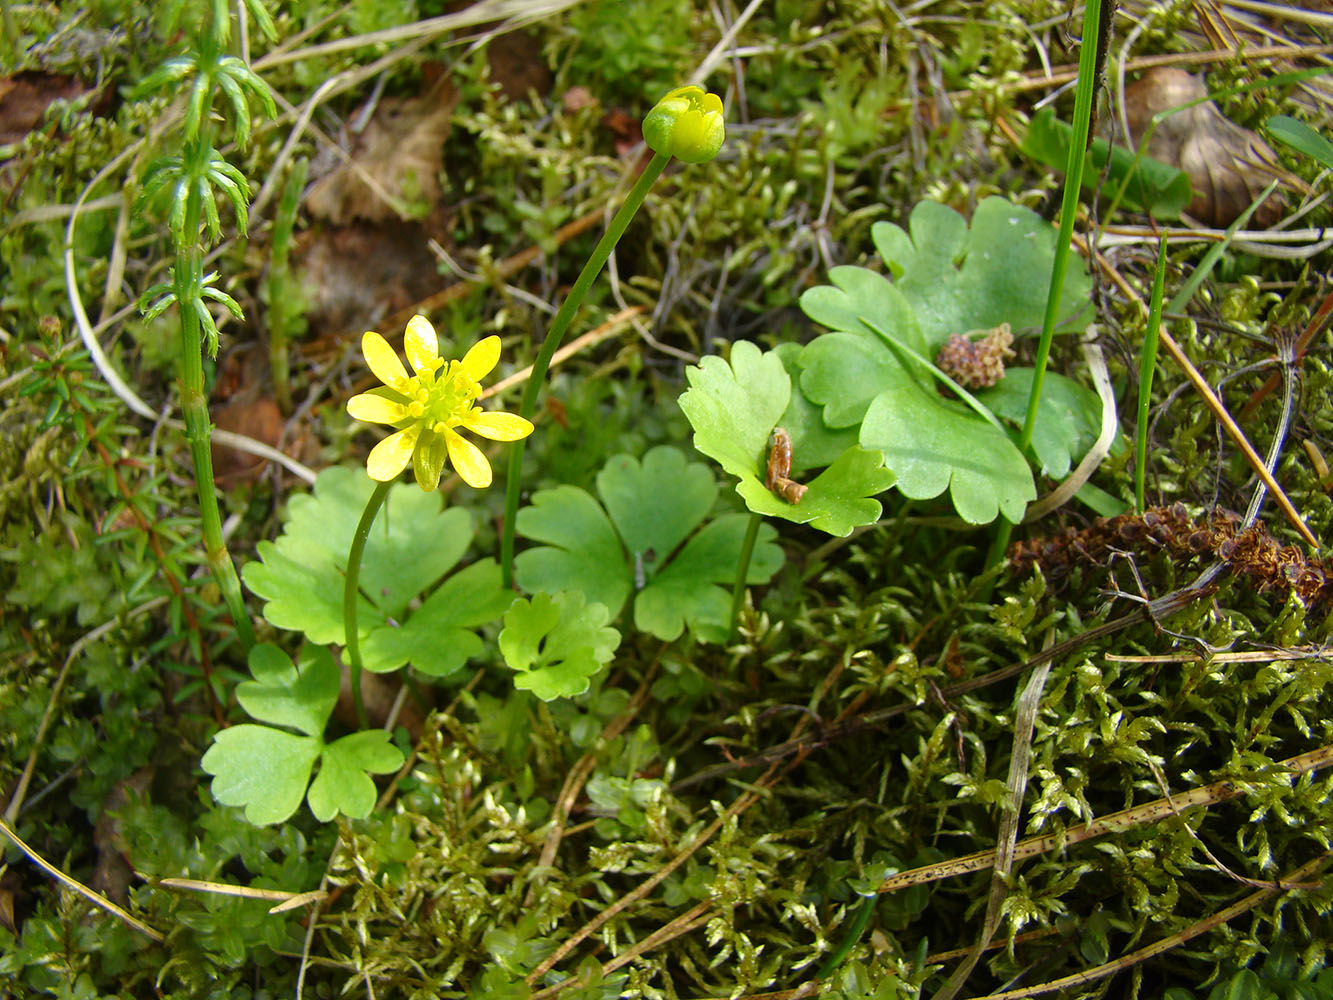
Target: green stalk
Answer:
pixel 351 591
pixel 1147 365
pixel 864 910
pixel 283 306
pixel 553 337
pixel 742 571
pixel 1078 148
pixel 188 279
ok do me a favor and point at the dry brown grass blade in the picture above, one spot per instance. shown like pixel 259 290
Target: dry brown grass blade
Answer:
pixel 1126 819
pixel 1166 944
pixel 692 919
pixel 1020 758
pixel 74 885
pixel 1067 74
pixel 1317 322
pixel 1237 436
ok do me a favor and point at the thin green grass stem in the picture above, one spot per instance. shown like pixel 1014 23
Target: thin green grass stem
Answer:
pixel 864 910
pixel 1083 97
pixel 1078 147
pixel 1147 366
pixel 187 277
pixel 351 592
pixel 742 571
pixel 554 336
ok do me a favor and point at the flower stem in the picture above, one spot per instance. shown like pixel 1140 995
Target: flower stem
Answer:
pixel 553 337
pixel 351 591
pixel 742 571
pixel 187 276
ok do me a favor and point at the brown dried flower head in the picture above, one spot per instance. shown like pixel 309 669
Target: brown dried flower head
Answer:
pixel 976 364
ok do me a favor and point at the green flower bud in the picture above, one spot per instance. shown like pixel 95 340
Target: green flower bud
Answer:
pixel 686 124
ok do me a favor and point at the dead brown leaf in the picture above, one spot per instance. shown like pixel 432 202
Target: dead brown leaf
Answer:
pixel 258 418
pixel 1228 166
pixel 24 98
pixel 516 64
pixel 114 872
pixel 353 277
pixel 394 166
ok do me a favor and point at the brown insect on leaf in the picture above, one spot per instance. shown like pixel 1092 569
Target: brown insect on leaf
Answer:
pixel 779 469
pixel 779 458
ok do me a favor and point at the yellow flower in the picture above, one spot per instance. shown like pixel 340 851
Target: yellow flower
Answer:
pixel 426 407
pixel 686 124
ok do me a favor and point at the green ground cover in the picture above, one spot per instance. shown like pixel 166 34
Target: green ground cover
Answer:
pixel 1000 670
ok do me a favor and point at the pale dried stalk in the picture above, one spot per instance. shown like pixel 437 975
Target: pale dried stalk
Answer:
pixel 1117 822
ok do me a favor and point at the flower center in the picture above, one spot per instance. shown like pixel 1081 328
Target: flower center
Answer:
pixel 444 402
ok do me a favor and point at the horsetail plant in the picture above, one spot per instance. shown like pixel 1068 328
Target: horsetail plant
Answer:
pixel 190 182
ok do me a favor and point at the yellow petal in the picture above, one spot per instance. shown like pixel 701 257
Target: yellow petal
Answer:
pixel 420 344
pixel 390 456
pixel 468 460
pixel 498 426
pixel 481 358
pixel 382 361
pixel 375 409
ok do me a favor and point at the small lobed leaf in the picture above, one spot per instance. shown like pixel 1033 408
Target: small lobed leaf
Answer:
pixel 556 642
pixel 859 293
pixel 265 770
pixel 582 551
pixel 300 696
pixel 959 278
pixel 301 594
pixel 733 423
pixel 734 406
pixel 844 372
pixel 819 444
pixel 343 784
pixel 1069 416
pixel 932 444
pixel 688 590
pixel 655 505
pixel 838 500
pixel 438 639
pixel 412 544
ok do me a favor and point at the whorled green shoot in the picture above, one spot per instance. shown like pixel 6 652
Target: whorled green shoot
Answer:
pixel 191 181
